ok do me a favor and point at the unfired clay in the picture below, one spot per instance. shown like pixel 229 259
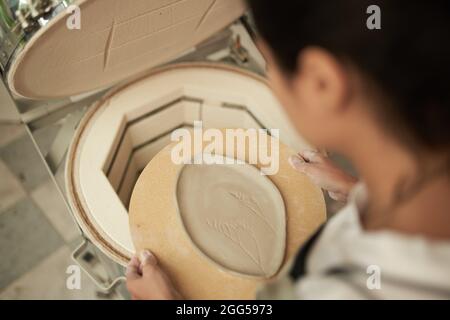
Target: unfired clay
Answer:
pixel 155 222
pixel 234 215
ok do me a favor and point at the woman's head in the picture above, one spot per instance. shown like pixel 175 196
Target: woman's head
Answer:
pixel 336 77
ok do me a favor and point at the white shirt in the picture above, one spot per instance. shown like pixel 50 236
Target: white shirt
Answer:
pixel 347 262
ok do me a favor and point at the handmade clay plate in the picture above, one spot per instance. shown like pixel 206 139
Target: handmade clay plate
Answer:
pixel 197 270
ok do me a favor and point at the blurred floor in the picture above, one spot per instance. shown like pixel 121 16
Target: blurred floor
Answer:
pixel 37 235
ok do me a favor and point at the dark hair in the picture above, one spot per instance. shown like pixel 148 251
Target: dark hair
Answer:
pixel 408 59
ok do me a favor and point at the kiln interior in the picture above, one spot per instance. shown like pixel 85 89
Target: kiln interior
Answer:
pixel 142 138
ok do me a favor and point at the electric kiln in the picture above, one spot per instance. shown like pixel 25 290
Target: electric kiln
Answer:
pixel 170 63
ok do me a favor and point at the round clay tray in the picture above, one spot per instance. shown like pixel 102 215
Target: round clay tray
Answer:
pixel 156 225
pixel 134 121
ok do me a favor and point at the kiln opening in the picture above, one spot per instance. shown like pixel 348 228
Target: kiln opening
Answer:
pixel 142 138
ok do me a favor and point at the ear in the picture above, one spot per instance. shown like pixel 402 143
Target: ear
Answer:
pixel 321 81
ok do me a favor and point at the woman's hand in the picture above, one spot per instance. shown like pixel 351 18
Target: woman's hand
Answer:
pixel 324 173
pixel 147 281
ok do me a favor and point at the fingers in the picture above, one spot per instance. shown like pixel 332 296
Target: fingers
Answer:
pixel 147 281
pixel 324 174
pixel 326 179
pixel 312 156
pixel 297 163
pixel 314 171
pixel 148 262
pixel 137 266
pixel 338 196
pixel 133 269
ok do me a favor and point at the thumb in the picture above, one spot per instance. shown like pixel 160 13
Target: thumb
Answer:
pixel 132 271
pixel 337 196
pixel 297 163
pixel 148 261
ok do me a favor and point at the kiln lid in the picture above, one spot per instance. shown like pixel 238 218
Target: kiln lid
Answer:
pixel 117 40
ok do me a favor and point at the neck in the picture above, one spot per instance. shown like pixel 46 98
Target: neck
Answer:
pixel 382 164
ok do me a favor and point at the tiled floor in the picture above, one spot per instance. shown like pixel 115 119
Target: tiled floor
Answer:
pixel 47 280
pixel 36 231
pixel 49 202
pixel 26 237
pixel 11 190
